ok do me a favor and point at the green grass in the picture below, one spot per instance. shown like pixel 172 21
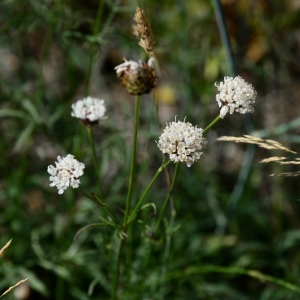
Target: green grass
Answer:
pixel 228 240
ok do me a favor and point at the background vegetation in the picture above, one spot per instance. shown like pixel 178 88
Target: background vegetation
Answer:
pixel 230 215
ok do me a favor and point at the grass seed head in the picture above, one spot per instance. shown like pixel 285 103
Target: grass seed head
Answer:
pixel 142 29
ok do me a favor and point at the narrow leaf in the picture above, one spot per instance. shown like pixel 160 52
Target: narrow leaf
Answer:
pixel 91 225
pixel 12 113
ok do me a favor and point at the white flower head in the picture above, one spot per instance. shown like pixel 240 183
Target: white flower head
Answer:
pixel 235 95
pixel 89 110
pixel 132 66
pixel 182 141
pixel 129 66
pixel 66 173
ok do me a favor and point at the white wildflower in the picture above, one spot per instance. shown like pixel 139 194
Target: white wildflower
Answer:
pixel 129 66
pixel 235 95
pixel 182 141
pixel 89 110
pixel 66 173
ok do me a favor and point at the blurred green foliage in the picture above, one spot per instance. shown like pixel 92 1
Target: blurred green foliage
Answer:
pixel 45 50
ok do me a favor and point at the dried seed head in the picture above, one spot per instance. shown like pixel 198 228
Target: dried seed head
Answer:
pixel 12 287
pixel 5 247
pixel 137 78
pixel 143 30
pixel 270 145
pixel 267 144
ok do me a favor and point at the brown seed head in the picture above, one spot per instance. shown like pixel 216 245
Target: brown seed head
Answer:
pixel 143 30
pixel 137 78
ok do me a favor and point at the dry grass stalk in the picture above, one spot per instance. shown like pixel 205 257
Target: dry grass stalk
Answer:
pixel 273 158
pixel 12 287
pixel 288 174
pixel 5 247
pixel 143 30
pixel 267 144
pixel 291 162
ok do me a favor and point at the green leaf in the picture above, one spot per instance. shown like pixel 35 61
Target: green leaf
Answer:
pixel 34 282
pixel 24 136
pixel 12 113
pixel 33 111
pixel 88 226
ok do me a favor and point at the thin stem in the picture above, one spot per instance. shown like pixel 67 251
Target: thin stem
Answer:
pixel 133 155
pixel 211 124
pixel 133 214
pixel 95 160
pixel 108 209
pixel 40 77
pixel 89 74
pixel 162 211
pixel 224 36
pixel 168 245
pixel 117 271
pixel 191 271
pixel 247 163
pixel 92 54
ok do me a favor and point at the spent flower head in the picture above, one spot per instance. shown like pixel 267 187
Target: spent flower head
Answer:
pixel 182 141
pixel 66 173
pixel 235 95
pixel 89 110
pixel 143 30
pixel 137 78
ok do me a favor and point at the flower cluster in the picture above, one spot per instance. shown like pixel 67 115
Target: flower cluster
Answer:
pixel 137 78
pixel 182 141
pixel 66 173
pixel 89 110
pixel 235 95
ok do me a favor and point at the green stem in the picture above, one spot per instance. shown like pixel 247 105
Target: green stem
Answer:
pixel 212 124
pixel 40 77
pixel 117 272
pixel 192 271
pixel 92 54
pixel 133 155
pixel 89 74
pixel 169 233
pixel 108 209
pixel 96 165
pixel 161 214
pixel 133 214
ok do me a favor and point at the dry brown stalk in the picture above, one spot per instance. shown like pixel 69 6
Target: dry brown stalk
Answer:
pixel 143 30
pixel 273 158
pixel 267 144
pixel 288 174
pixel 12 287
pixel 291 162
pixel 5 247
pixel 21 281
